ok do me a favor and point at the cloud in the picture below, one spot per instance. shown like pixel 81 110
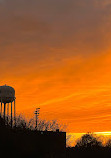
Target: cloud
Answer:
pixel 52 50
pixel 31 31
pixel 56 23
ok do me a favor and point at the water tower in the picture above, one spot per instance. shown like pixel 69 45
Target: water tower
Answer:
pixel 7 97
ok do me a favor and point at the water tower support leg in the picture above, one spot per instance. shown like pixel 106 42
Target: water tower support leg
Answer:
pixel 14 114
pixel 4 110
pixel 1 108
pixel 11 114
pixel 7 112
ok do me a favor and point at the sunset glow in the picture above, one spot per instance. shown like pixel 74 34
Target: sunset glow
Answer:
pixel 72 138
pixel 57 56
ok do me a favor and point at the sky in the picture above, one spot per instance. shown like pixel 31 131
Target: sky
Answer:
pixel 57 56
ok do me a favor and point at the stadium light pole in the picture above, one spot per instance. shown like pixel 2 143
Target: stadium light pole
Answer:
pixel 36 117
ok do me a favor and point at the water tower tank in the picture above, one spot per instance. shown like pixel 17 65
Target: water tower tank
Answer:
pixel 7 94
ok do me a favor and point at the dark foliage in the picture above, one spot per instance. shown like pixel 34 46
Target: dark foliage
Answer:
pixel 88 141
pixel 24 141
pixel 88 146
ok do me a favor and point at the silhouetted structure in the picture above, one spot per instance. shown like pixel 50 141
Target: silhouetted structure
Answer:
pixel 31 142
pixel 41 141
pixel 7 95
pixel 22 141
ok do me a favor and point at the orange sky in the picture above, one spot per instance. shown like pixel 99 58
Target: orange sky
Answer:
pixel 57 56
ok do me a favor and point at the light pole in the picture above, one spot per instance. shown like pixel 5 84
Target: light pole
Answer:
pixel 36 116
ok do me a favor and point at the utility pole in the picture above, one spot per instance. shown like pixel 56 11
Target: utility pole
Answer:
pixel 36 117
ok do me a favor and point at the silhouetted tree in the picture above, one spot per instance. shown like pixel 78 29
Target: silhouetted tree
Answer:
pixel 69 140
pixel 108 143
pixel 52 125
pixel 43 125
pixel 22 123
pixel 88 141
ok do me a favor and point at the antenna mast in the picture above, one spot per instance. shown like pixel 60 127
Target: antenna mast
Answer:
pixel 36 117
